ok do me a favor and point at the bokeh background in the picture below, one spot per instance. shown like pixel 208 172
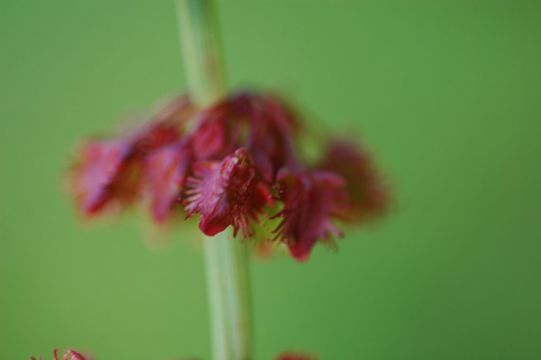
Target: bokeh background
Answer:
pixel 446 93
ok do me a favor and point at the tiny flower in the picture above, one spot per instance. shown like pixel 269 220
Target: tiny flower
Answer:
pixel 259 123
pixel 294 356
pixel 72 355
pixel 226 193
pixel 270 140
pixel 214 135
pixel 68 355
pixel 107 171
pixel 167 172
pixel 312 200
pixel 366 190
pixel 110 171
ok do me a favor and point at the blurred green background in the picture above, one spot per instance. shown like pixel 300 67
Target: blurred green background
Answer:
pixel 447 94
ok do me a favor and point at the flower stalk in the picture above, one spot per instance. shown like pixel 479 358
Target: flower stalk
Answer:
pixel 226 260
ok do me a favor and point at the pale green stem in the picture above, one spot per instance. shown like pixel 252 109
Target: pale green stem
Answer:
pixel 228 289
pixel 226 258
pixel 201 50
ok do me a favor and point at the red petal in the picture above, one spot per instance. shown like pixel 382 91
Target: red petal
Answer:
pixel 262 123
pixel 311 200
pixel 167 172
pixel 209 140
pixel 366 190
pixel 226 193
pixel 270 139
pixel 107 170
pixel 294 356
pixel 110 171
pixel 217 132
pixel 73 355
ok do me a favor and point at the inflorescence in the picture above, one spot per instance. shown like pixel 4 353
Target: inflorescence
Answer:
pixel 234 164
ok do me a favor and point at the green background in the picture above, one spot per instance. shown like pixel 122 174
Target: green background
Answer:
pixel 447 94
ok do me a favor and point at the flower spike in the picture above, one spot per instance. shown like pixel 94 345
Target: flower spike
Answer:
pixel 230 166
pixel 70 354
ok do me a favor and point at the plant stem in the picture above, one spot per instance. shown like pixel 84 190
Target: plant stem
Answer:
pixel 226 258
pixel 201 50
pixel 228 289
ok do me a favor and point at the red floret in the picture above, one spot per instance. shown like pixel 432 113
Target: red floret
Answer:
pixel 68 355
pixel 270 139
pixel 312 200
pixel 261 124
pixel 228 167
pixel 167 170
pixel 110 171
pixel 107 171
pixel 226 193
pixel 366 189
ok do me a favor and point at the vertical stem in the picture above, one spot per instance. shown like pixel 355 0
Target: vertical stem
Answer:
pixel 201 50
pixel 226 258
pixel 228 294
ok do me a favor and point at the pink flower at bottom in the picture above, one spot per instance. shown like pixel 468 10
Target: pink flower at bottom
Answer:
pixel 294 356
pixel 68 355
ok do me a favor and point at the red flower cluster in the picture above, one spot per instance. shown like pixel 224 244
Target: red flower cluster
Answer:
pixel 68 355
pixel 231 164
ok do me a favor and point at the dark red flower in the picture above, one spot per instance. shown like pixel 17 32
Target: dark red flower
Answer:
pixel 261 124
pixel 68 355
pixel 110 171
pixel 106 172
pixel 294 356
pixel 312 200
pixel 366 190
pixel 215 134
pixel 72 355
pixel 226 193
pixel 167 171
pixel 270 139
